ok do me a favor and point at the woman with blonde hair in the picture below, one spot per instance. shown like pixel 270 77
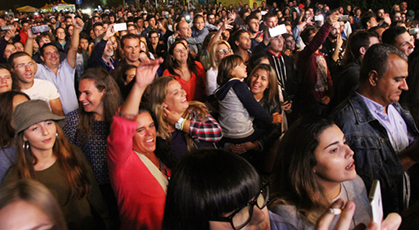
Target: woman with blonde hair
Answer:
pixel 185 125
pixel 218 50
pixel 28 204
pixel 44 154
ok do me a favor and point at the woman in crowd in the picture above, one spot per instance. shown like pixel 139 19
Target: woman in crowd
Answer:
pixel 316 168
pixel 7 79
pixel 234 197
pixel 28 204
pixel 124 78
pixel 260 81
pixel 44 154
pixel 88 127
pixel 238 107
pixel 218 50
pixel 189 73
pixel 165 33
pixel 132 152
pixel 234 194
pixel 185 125
pixel 8 101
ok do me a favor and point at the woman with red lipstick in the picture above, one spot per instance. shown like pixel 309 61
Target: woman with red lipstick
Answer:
pixel 44 154
pixel 185 125
pixel 189 73
pixel 316 168
pixel 88 127
pixel 139 172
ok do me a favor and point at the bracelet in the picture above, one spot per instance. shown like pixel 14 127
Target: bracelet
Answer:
pixel 183 122
pixel 129 117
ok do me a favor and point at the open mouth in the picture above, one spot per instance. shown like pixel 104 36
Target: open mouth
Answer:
pixel 350 166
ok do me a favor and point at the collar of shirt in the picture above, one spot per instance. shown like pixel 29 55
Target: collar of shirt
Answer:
pixel 277 56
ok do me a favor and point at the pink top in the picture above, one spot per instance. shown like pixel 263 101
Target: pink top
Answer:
pixel 140 197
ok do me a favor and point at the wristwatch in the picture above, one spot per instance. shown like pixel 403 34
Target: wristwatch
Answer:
pixel 178 124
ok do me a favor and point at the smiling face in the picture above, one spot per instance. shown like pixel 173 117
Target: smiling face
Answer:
pixel 41 136
pixel 259 81
pixel 389 87
pixel 60 34
pixel 5 80
pixel 405 43
pixel 24 215
pixel 144 140
pixel 199 23
pixel 222 51
pixel 180 53
pixel 91 97
pixel 51 56
pixel 184 30
pixel 334 158
pixel 10 49
pixel 244 41
pixel 175 100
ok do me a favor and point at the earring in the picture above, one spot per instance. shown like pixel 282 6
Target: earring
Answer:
pixel 25 146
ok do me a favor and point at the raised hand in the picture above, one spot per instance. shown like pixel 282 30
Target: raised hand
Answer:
pixel 109 32
pixel 77 22
pixel 146 71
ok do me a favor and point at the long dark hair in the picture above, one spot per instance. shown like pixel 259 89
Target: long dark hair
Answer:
pixel 294 182
pixel 111 101
pixel 172 64
pixel 6 111
pixel 208 183
pixel 70 162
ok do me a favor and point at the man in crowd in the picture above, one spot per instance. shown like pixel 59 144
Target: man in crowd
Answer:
pixel 399 37
pixel 24 68
pixel 377 129
pixel 61 74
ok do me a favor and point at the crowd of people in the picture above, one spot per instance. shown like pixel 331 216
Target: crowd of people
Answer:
pixel 209 117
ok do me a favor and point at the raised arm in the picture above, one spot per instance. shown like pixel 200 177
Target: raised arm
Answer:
pixel 72 51
pixel 29 42
pixel 146 71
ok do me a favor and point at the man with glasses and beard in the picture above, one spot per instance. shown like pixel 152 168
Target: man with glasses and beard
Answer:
pixel 102 54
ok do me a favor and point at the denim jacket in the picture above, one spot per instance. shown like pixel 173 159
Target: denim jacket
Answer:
pixel 374 155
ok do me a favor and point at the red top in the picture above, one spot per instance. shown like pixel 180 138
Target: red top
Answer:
pixel 195 87
pixel 140 197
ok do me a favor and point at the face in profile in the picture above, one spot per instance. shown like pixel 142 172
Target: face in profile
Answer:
pixel 24 215
pixel 334 157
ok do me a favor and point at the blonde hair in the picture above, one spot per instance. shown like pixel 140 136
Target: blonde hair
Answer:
pixel 157 96
pixel 213 53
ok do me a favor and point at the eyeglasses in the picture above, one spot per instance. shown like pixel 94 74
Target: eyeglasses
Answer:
pixel 154 37
pixel 223 51
pixel 242 216
pixel 24 65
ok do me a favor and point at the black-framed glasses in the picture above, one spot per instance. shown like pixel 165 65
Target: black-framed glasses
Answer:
pixel 242 216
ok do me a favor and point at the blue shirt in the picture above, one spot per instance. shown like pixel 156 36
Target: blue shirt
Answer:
pixel 392 122
pixel 63 81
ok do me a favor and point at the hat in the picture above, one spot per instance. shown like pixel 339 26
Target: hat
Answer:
pixel 31 112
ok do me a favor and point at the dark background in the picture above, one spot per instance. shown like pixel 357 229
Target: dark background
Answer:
pixel 364 4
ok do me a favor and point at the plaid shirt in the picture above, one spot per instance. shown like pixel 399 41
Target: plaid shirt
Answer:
pixel 204 130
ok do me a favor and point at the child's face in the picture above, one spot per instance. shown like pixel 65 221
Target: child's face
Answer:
pixel 239 72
